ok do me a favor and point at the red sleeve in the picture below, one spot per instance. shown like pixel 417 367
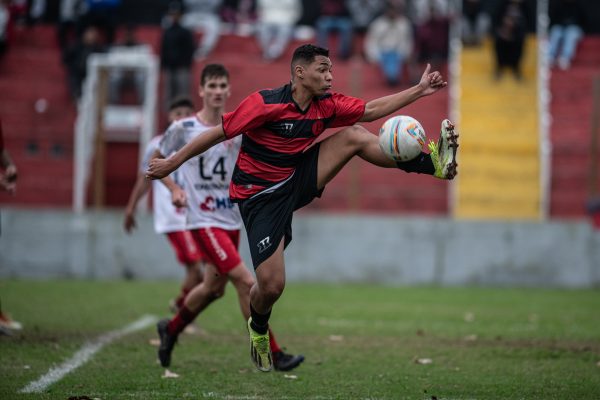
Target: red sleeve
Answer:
pixel 348 110
pixel 250 114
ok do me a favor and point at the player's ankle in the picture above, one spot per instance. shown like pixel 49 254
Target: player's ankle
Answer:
pixel 259 322
pixel 422 164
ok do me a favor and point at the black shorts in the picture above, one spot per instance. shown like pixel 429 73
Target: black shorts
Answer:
pixel 268 216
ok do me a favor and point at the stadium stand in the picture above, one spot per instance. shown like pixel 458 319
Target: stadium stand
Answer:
pixel 38 117
pixel 33 71
pixel 499 159
pixel 571 109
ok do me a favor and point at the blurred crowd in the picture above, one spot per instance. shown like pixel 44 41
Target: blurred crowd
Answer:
pixel 395 34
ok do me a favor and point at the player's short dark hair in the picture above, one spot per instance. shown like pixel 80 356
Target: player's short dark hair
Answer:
pixel 307 53
pixel 181 102
pixel 213 71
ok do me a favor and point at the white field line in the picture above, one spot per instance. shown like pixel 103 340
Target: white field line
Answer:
pixel 84 354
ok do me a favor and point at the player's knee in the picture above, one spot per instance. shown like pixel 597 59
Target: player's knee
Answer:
pixel 247 284
pixel 273 290
pixel 216 293
pixel 356 136
pixel 241 278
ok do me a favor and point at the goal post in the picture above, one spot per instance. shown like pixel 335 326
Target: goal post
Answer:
pixel 90 132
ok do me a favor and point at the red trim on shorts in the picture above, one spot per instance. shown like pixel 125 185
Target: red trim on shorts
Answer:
pixel 186 249
pixel 220 246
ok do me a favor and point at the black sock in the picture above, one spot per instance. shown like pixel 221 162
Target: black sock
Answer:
pixel 259 322
pixel 422 164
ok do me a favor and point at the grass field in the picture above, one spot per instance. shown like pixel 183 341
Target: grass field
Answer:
pixel 360 342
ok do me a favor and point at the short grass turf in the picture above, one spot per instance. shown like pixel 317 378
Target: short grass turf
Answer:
pixel 360 342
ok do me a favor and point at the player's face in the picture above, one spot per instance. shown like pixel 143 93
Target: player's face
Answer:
pixel 317 75
pixel 215 92
pixel 180 112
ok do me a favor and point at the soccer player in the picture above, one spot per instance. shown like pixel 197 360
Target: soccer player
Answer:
pixel 8 173
pixel 8 182
pixel 278 171
pixel 168 219
pixel 212 218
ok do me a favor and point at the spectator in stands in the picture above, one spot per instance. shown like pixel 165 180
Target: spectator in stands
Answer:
pixel 240 15
pixel 420 11
pixel 37 10
pixel 432 36
pixel 276 22
pixel 76 57
pixel 176 56
pixel 310 13
pixel 10 13
pixel 566 21
pixel 4 23
pixel 203 16
pixel 389 42
pixel 363 12
pixel 335 17
pixel 103 15
pixel 509 36
pixel 474 22
pixel 68 17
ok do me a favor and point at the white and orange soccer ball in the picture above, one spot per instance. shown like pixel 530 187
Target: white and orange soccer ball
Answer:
pixel 402 138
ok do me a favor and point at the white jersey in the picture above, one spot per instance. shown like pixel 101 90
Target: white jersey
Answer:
pixel 167 217
pixel 205 177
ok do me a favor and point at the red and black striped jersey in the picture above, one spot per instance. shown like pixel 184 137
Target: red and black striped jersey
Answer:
pixel 277 132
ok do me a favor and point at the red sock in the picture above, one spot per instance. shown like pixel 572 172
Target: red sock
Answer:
pixel 181 298
pixel 182 319
pixel 274 346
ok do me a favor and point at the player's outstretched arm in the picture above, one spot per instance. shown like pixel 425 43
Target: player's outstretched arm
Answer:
pixel 140 187
pixel 430 83
pixel 159 168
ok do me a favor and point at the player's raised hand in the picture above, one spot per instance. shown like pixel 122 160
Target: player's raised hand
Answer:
pixel 431 82
pixel 158 168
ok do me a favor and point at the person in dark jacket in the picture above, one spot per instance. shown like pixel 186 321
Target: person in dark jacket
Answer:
pixel 75 59
pixel 176 56
pixel 509 29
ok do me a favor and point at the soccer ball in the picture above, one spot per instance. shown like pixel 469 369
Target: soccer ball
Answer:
pixel 401 138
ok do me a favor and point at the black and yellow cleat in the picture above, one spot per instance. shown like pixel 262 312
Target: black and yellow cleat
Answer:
pixel 260 349
pixel 443 153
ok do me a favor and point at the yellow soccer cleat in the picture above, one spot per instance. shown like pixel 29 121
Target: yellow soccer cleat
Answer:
pixel 260 349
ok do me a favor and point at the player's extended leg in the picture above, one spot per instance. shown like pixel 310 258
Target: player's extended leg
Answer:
pixel 338 149
pixel 270 282
pixel 193 277
pixel 242 280
pixel 197 300
pixel 190 256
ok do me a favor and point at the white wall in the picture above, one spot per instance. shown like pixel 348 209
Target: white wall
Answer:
pixel 394 250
